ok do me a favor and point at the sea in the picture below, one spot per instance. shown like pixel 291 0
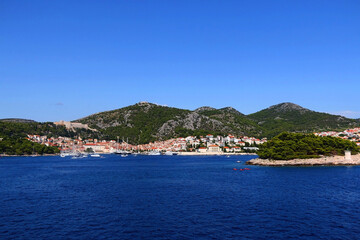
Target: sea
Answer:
pixel 175 197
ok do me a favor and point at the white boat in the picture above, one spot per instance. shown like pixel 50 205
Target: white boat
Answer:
pixel 122 152
pixel 154 153
pixel 95 155
pixel 119 151
pixel 72 153
pixel 170 153
pixel 64 154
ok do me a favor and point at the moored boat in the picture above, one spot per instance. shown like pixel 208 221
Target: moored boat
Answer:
pixel 154 153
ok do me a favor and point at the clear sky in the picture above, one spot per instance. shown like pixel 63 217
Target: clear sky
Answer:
pixel 68 59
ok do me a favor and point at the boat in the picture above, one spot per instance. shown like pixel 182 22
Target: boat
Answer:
pixel 170 153
pixel 154 153
pixel 72 153
pixel 122 152
pixel 95 155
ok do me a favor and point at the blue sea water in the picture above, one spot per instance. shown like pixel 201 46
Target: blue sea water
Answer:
pixel 175 197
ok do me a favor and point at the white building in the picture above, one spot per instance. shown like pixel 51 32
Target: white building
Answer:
pixel 213 148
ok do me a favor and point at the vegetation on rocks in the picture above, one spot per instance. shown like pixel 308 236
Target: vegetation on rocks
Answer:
pixel 146 122
pixel 49 129
pixel 290 117
pixel 21 146
pixel 13 137
pixel 288 146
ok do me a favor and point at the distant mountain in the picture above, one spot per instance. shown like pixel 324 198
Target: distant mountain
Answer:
pixel 294 118
pixel 144 122
pixel 17 120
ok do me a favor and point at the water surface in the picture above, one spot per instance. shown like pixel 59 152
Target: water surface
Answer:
pixel 175 197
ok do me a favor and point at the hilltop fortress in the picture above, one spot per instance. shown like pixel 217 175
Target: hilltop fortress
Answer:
pixel 73 125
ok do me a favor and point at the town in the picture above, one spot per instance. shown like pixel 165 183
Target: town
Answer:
pixel 349 134
pixel 208 144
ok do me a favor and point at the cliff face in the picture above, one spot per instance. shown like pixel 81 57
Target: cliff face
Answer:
pixel 192 121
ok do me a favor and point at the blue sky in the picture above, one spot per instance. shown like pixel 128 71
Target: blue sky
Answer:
pixel 68 59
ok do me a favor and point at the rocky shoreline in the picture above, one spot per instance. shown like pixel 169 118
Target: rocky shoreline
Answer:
pixel 212 154
pixel 323 161
pixel 36 155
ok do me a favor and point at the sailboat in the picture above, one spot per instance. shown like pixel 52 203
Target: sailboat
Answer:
pixel 122 152
pixel 74 153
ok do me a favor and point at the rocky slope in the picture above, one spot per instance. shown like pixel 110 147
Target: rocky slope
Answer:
pixel 144 122
pixel 294 118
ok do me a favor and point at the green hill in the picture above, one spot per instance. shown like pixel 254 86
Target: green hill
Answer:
pixel 13 137
pixel 294 118
pixel 145 122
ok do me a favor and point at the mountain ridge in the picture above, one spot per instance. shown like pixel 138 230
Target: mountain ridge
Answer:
pixel 294 118
pixel 144 122
pixel 160 122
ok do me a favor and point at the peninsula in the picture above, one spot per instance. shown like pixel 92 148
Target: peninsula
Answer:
pixel 322 161
pixel 295 149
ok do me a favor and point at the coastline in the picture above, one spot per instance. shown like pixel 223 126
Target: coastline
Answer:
pixel 43 155
pixel 179 154
pixel 212 154
pixel 323 161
